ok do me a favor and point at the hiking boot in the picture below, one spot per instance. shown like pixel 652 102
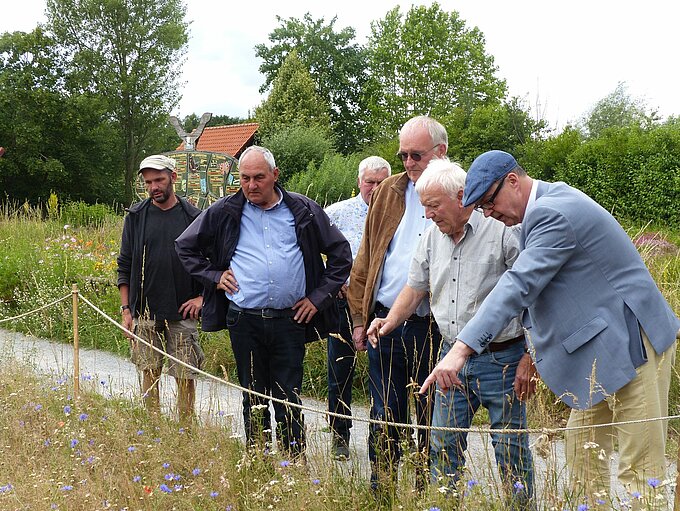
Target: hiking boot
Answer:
pixel 340 447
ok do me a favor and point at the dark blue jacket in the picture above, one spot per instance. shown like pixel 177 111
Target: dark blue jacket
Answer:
pixel 207 246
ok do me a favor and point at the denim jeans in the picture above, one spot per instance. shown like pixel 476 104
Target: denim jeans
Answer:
pixel 487 380
pixel 269 355
pixel 405 356
pixel 341 364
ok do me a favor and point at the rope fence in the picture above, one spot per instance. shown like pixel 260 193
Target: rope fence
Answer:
pixel 480 430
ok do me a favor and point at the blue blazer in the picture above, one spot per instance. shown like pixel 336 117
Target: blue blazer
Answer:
pixel 584 289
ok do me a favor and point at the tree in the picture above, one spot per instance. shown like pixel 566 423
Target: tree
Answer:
pixel 618 110
pixel 427 62
pixel 55 139
pixel 336 64
pixel 293 100
pixel 128 52
pixel 190 122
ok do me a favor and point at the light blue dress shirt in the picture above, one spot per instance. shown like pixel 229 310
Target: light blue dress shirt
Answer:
pixel 400 252
pixel 268 263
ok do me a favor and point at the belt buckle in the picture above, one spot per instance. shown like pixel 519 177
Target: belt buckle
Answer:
pixel 266 314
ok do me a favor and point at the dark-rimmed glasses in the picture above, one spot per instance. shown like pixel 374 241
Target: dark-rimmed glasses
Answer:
pixel 415 156
pixel 488 204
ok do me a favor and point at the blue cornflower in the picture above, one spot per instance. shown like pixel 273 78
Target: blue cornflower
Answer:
pixel 181 430
pixel 518 486
pixel 636 495
pixel 214 494
pixel 82 417
pixel 67 409
pixel 220 413
pixel 6 488
pixel 165 488
pixel 140 432
pixel 196 471
pixel 285 463
pixel 38 407
pixel 583 507
pixel 157 440
pixel 136 479
pixel 434 509
pixel 166 464
pixel 169 477
pixel 131 448
pixel 47 443
pixel 472 483
pixel 178 487
pixel 316 481
pixel 74 442
pixel 653 482
pixel 66 487
pixel 90 459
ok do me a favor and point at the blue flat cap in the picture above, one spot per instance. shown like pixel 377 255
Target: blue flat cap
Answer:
pixel 487 168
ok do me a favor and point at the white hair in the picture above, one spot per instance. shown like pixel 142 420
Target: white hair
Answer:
pixel 266 153
pixel 443 173
pixel 434 127
pixel 373 163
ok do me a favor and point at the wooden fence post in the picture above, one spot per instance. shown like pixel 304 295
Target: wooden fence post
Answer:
pixel 76 355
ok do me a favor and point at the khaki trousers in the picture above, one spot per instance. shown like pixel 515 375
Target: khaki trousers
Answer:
pixel 641 446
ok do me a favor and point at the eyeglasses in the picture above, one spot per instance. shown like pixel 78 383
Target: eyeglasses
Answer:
pixel 489 203
pixel 415 156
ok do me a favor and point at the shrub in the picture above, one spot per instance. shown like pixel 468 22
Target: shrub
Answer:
pixel 81 214
pixel 295 147
pixel 333 180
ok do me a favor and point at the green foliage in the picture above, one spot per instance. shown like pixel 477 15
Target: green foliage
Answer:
pixel 295 147
pixel 293 101
pixel 427 62
pixel 190 122
pixel 56 139
pixel 618 110
pixel 80 214
pixel 505 126
pixel 543 158
pixel 333 180
pixel 336 65
pixel 128 52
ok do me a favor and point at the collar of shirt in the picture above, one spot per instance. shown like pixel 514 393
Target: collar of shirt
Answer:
pixel 278 202
pixel 532 197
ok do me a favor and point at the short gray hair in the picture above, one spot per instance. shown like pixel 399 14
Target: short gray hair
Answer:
pixel 434 127
pixel 443 173
pixel 373 163
pixel 266 153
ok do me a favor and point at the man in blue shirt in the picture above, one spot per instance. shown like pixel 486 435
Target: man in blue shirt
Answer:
pixel 348 216
pixel 258 253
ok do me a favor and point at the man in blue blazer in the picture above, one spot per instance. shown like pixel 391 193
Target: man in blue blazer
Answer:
pixel 601 334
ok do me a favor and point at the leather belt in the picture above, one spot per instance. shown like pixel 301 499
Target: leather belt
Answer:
pixel 492 347
pixel 264 313
pixel 379 307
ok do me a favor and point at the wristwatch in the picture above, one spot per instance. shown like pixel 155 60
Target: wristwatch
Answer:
pixel 124 308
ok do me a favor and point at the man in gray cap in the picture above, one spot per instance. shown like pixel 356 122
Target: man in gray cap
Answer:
pixel 159 299
pixel 601 334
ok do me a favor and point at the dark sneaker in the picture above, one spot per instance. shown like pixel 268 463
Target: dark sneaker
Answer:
pixel 340 447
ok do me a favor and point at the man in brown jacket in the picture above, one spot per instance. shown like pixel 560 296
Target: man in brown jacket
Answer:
pixel 394 225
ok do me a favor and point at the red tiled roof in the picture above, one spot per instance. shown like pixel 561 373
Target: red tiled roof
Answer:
pixel 232 139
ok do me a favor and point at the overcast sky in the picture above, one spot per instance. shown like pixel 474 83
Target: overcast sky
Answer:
pixel 561 57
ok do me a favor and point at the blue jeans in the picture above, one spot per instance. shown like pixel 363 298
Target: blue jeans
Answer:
pixel 487 380
pixel 407 355
pixel 341 363
pixel 269 355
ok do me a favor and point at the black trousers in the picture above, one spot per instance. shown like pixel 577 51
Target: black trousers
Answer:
pixel 269 353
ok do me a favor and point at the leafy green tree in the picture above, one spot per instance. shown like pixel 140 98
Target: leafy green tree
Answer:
pixel 293 100
pixel 427 62
pixel 128 52
pixel 617 110
pixel 497 125
pixel 191 121
pixel 55 139
pixel 336 64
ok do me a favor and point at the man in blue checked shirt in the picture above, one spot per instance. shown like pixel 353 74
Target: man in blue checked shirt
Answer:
pixel 348 216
